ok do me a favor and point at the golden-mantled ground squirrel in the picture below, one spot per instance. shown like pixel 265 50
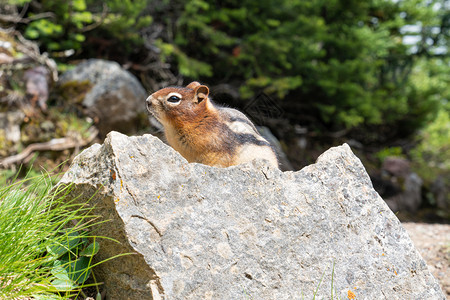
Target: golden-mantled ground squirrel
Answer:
pixel 205 132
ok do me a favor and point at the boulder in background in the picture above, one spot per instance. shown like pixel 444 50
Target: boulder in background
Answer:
pixel 112 96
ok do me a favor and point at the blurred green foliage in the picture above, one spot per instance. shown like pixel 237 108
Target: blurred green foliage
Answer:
pixel 17 2
pixel 70 21
pixel 432 155
pixel 64 30
pixel 377 68
pixel 121 21
pixel 388 152
pixel 343 62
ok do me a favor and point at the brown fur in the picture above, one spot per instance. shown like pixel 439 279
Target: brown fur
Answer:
pixel 199 130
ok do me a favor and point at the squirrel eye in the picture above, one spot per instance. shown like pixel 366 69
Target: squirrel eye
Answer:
pixel 174 99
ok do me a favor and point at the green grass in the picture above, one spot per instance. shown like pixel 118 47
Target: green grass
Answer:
pixel 333 291
pixel 45 251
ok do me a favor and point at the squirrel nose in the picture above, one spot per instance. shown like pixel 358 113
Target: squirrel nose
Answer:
pixel 148 101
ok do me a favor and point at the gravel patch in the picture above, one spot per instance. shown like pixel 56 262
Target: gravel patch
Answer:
pixel 433 243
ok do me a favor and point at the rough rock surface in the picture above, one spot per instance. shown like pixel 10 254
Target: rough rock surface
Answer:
pixel 244 232
pixel 116 97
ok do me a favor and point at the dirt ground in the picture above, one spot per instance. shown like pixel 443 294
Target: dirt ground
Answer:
pixel 433 243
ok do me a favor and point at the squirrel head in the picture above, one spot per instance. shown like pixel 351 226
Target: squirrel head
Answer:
pixel 175 105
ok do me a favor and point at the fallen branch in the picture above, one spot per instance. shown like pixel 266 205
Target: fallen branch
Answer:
pixel 32 50
pixel 99 22
pixel 52 145
pixel 18 19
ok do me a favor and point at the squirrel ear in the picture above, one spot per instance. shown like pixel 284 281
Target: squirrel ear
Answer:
pixel 201 93
pixel 193 85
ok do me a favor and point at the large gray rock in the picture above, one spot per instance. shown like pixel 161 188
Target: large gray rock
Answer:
pixel 114 97
pixel 244 232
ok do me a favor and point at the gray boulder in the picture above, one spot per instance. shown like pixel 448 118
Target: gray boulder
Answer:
pixel 244 232
pixel 410 196
pixel 113 97
pixel 405 185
